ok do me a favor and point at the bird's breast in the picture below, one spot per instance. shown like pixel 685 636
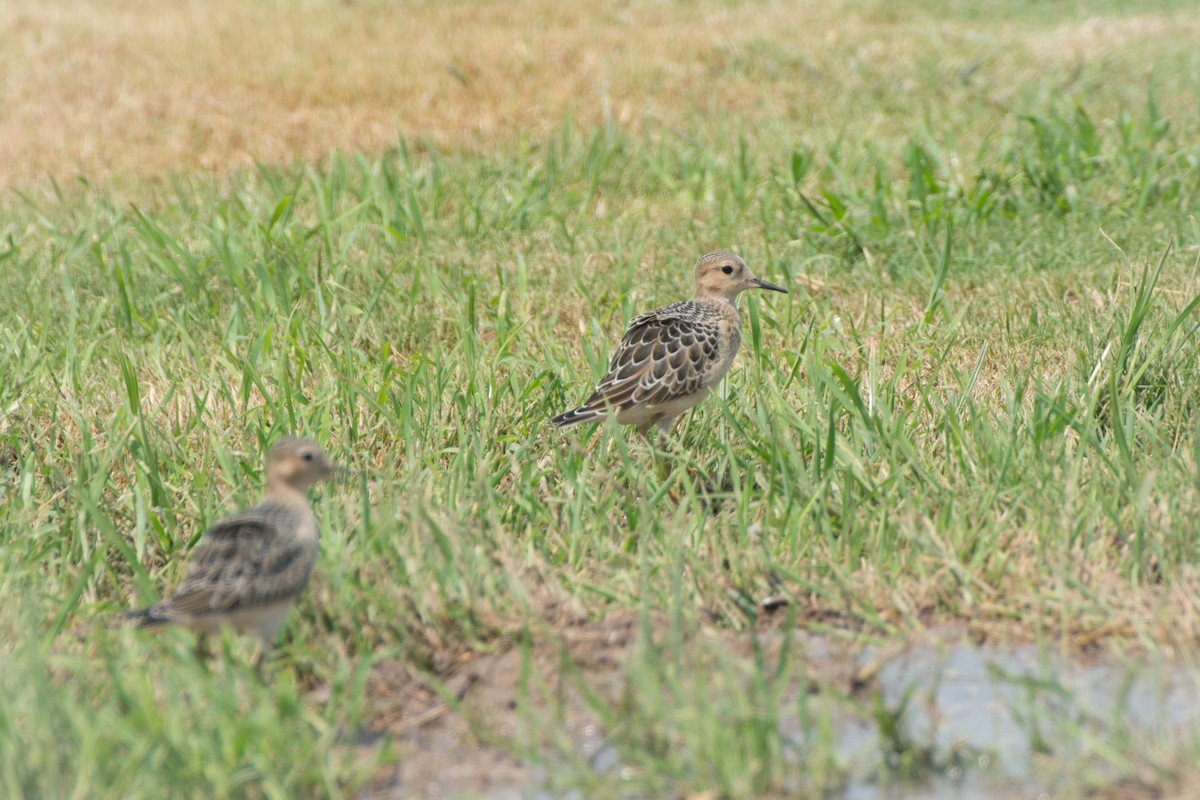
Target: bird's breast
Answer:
pixel 727 348
pixel 308 531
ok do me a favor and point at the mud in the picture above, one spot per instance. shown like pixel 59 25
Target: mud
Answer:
pixel 985 718
pixel 459 737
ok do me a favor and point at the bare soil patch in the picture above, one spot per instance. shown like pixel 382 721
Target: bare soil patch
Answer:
pixel 461 738
pixel 468 731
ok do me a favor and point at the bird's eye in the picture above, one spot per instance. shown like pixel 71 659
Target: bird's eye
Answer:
pixel 308 456
pixel 727 269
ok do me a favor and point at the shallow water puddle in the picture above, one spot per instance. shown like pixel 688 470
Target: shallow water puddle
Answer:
pixel 1001 722
pixel 946 719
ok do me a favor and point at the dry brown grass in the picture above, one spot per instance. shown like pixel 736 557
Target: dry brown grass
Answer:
pixel 142 88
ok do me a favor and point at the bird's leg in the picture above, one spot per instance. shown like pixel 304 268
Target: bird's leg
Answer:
pixel 259 661
pixel 655 455
pixel 203 651
pixel 263 661
pixel 664 425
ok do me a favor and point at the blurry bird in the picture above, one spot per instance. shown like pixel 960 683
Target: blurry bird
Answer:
pixel 250 567
pixel 671 358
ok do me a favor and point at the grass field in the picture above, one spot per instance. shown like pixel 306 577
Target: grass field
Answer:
pixel 416 233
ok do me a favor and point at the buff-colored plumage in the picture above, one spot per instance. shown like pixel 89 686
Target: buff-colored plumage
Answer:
pixel 671 358
pixel 249 568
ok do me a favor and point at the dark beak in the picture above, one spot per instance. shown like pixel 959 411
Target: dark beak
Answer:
pixel 760 283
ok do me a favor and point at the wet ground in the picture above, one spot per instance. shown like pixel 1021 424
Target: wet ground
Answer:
pixel 943 718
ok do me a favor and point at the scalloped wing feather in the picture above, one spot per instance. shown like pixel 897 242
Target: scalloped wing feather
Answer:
pixel 664 356
pixel 248 559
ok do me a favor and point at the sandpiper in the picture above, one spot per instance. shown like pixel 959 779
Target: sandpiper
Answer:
pixel 250 567
pixel 671 358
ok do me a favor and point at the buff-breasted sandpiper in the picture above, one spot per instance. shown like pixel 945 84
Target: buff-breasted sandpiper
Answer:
pixel 671 358
pixel 250 567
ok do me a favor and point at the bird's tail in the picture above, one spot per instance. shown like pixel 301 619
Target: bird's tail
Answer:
pixel 583 413
pixel 150 617
pixel 605 400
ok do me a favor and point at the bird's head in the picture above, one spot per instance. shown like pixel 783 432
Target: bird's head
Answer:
pixel 724 275
pixel 297 462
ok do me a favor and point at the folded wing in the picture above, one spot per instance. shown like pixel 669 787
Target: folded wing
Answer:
pixel 248 559
pixel 665 355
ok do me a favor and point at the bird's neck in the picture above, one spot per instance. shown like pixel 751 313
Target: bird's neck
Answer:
pixel 285 493
pixel 725 307
pixel 714 298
